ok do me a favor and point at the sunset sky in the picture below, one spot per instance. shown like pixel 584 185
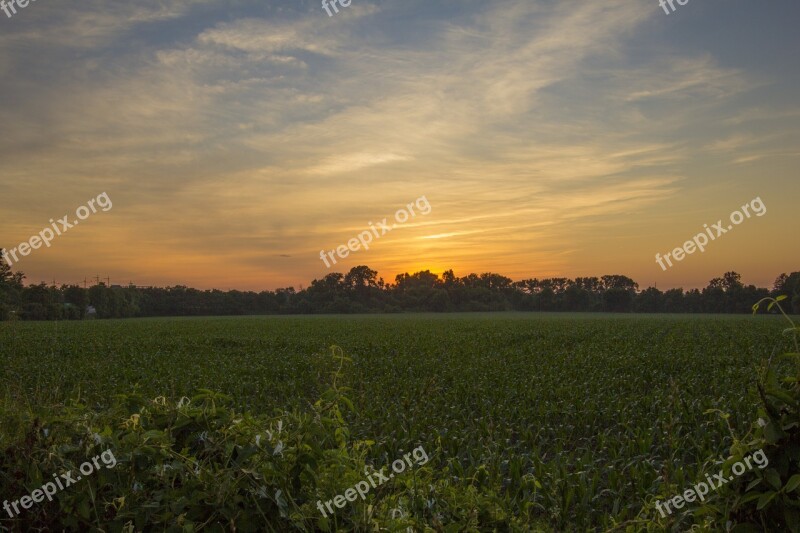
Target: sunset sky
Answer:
pixel 552 138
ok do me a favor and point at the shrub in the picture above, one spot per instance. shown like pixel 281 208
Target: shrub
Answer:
pixel 197 464
pixel 185 465
pixel 768 499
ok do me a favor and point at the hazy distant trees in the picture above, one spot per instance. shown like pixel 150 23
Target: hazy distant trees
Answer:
pixel 40 302
pixel 651 300
pixel 361 291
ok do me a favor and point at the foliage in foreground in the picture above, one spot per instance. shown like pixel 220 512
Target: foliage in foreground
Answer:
pixel 196 464
pixel 760 500
pixel 770 499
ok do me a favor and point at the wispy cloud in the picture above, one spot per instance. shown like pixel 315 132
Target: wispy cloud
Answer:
pixel 265 131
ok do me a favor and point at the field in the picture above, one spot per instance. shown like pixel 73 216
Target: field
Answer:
pixel 570 421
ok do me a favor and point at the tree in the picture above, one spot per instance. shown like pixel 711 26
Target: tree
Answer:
pixel 40 302
pixel 725 295
pixel 421 280
pixel 590 284
pixel 693 302
pixel 495 282
pixel 618 282
pixel 528 286
pixel 332 283
pixel 78 297
pixel 619 293
pixel 440 301
pixel 577 298
pixel 450 280
pixel 674 301
pixel 650 300
pixel 10 289
pixel 100 298
pixel 713 297
pixel 361 291
pixel 790 286
pixel 731 281
pixel 360 278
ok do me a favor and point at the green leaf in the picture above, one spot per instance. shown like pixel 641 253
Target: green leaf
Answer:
pixel 792 517
pixel 781 297
pixel 771 433
pixel 750 497
pixel 752 484
pixel 348 403
pixel 773 478
pixel 765 499
pixel 782 395
pixel 792 484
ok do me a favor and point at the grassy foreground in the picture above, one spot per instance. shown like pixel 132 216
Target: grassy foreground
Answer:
pixel 532 422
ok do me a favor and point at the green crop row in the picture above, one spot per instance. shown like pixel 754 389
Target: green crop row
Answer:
pixel 543 422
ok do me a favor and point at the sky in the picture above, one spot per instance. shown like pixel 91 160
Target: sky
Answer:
pixel 237 140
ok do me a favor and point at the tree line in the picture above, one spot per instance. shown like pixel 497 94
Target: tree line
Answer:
pixel 362 291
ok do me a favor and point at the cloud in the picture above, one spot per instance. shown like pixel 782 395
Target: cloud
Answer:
pixel 257 134
pixel 90 24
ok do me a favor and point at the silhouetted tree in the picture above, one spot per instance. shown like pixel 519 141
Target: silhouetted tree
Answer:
pixel 361 291
pixel 10 289
pixel 78 298
pixel 790 286
pixel 650 300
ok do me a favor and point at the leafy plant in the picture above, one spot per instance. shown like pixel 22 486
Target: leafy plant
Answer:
pixel 768 499
pixel 189 465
